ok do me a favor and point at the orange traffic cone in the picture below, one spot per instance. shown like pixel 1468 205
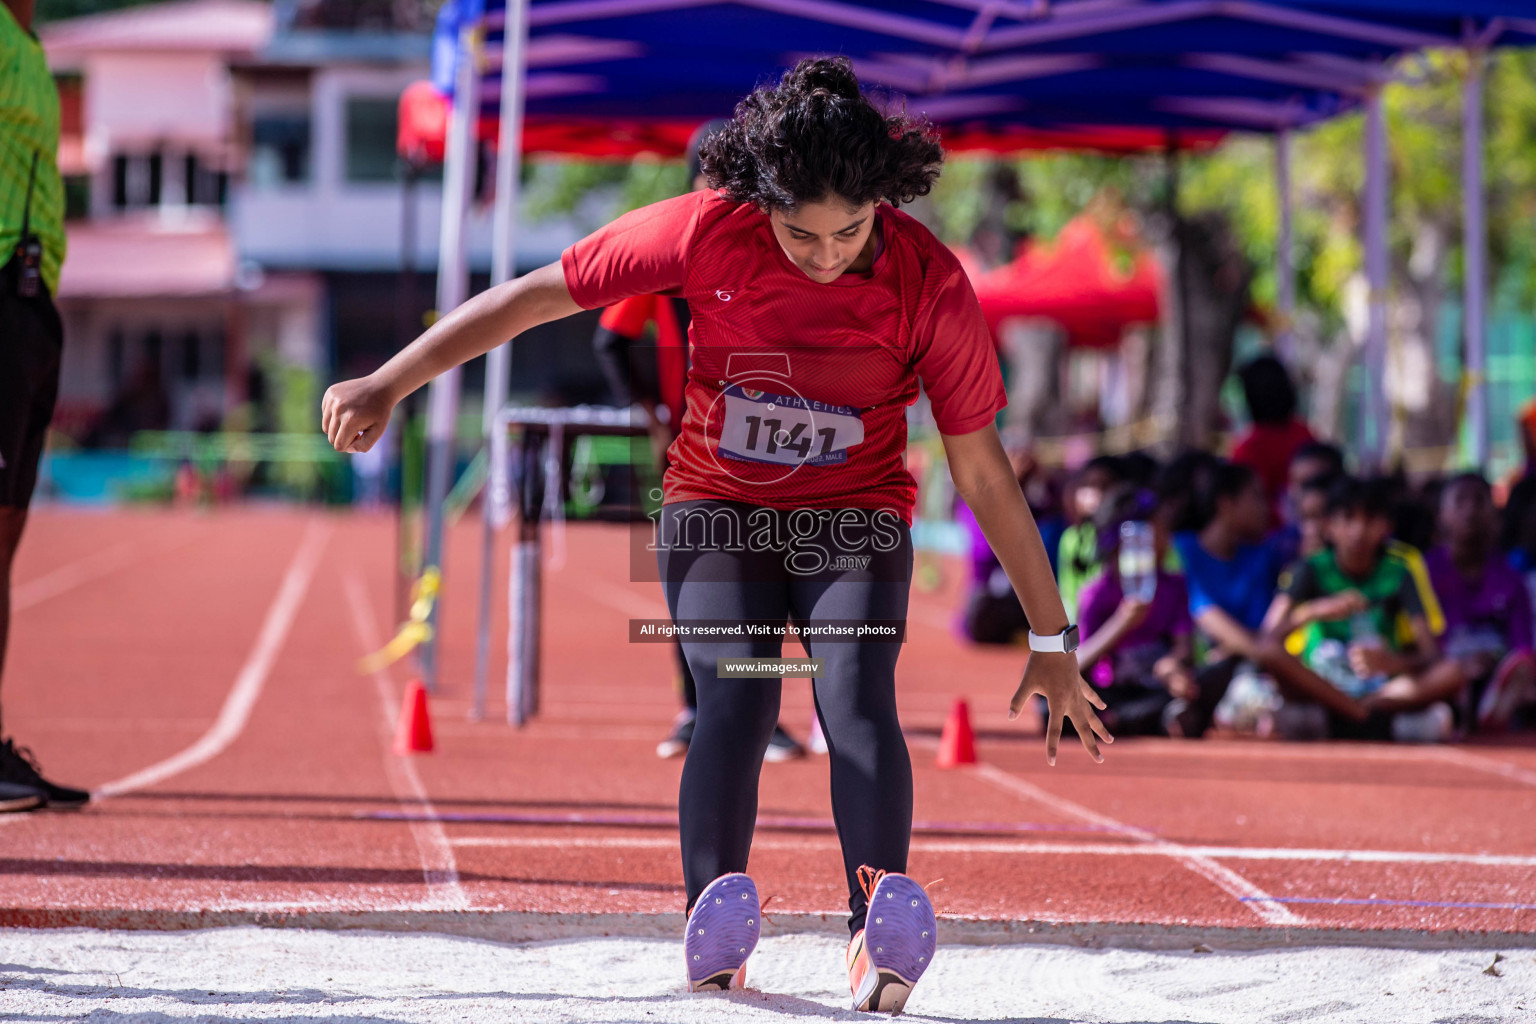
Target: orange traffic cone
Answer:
pixel 957 744
pixel 413 733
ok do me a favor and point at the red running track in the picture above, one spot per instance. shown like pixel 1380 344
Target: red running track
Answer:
pixel 200 669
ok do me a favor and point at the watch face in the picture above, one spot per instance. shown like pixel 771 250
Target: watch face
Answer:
pixel 1069 639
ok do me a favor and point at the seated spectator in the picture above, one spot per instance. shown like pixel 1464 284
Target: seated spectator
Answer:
pixel 1188 475
pixel 1518 535
pixel 1349 600
pixel 1078 563
pixel 1139 468
pixel 1487 608
pixel 1415 517
pixel 1180 483
pixel 1311 516
pixel 1136 648
pixel 992 613
pixel 1313 469
pixel 1232 571
pixel 1312 460
pixel 1277 434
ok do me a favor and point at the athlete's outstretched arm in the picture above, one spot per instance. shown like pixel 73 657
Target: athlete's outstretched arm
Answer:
pixel 985 479
pixel 355 412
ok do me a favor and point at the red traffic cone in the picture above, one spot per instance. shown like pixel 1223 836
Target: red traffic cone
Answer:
pixel 413 732
pixel 957 745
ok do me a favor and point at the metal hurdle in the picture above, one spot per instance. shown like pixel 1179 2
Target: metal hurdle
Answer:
pixel 540 460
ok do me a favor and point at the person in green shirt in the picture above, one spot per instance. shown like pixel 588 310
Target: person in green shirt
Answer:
pixel 31 334
pixel 1077 561
pixel 1362 619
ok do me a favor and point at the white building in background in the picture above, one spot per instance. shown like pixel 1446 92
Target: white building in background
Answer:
pixel 234 192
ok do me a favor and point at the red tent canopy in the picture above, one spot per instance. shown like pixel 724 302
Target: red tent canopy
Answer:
pixel 423 131
pixel 1095 279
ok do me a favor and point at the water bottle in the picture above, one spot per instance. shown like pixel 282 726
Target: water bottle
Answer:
pixel 1363 633
pixel 1138 561
pixel 1330 659
pixel 1362 630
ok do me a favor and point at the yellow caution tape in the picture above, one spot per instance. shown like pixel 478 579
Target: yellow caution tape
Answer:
pixel 414 631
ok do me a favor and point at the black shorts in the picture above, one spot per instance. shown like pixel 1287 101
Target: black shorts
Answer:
pixel 31 344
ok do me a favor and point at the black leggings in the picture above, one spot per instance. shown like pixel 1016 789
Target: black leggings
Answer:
pixel 717 563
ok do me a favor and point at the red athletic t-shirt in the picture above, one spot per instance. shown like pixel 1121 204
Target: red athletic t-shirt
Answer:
pixel 797 391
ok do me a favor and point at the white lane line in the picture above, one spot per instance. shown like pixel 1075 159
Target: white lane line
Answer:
pixel 438 866
pixel 1229 881
pixel 252 677
pixel 85 570
pixel 1477 762
pixel 923 845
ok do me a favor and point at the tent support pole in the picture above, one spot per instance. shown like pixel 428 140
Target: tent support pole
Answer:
pixel 1475 244
pixel 1285 268
pixel 1373 410
pixel 509 160
pixel 452 289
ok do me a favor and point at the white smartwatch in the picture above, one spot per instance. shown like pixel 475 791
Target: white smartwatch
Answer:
pixel 1064 642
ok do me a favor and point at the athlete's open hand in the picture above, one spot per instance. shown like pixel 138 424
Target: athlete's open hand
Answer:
pixel 1068 694
pixel 354 413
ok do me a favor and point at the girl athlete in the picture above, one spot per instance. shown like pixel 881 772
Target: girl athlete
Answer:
pixel 817 308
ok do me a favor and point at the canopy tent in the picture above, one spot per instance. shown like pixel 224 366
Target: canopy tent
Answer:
pixel 1092 279
pixel 1175 69
pixel 424 114
pixel 1194 64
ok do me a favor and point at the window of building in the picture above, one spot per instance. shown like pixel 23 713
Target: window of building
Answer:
pixel 279 149
pixel 370 139
pixel 77 196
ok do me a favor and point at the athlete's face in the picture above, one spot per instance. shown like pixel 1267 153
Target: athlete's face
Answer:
pixel 826 239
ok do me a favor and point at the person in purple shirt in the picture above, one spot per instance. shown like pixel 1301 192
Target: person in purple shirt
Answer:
pixel 1139 652
pixel 1486 604
pixel 992 613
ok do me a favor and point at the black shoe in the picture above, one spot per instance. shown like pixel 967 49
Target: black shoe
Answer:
pixel 782 746
pixel 19 766
pixel 676 743
pixel 16 797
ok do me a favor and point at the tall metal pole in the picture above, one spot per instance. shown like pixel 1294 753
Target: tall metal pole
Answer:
pixel 452 289
pixel 1475 243
pixel 1285 269
pixel 1373 411
pixel 495 508
pixel 407 325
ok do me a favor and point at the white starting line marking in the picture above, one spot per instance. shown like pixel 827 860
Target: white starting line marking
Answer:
pixel 1032 847
pixel 236 711
pixel 1229 881
pixel 438 866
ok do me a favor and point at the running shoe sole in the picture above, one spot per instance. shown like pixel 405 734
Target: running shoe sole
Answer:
pixel 900 936
pixel 19 803
pixel 722 932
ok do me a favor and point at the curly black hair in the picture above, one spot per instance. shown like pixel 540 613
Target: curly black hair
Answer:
pixel 814 135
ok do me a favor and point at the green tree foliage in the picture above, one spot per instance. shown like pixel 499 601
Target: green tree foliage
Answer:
pixel 560 188
pixel 1424 149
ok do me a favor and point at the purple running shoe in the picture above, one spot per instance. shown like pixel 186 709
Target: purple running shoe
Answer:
pixel 896 944
pixel 722 933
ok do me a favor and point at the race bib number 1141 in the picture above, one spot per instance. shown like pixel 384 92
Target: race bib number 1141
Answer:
pixel 787 430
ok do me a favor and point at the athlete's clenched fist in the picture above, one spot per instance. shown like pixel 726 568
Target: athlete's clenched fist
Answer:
pixel 354 413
